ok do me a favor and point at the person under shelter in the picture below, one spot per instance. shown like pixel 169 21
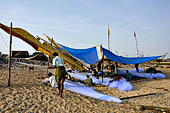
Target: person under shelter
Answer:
pixel 88 81
pixel 52 80
pixel 137 67
pixel 128 75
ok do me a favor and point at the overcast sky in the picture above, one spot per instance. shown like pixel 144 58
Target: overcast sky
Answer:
pixel 84 24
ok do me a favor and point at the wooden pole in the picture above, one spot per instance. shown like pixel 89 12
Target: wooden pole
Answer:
pixel 108 43
pixel 108 37
pixel 9 58
pixel 116 68
pixel 123 98
pixel 49 57
pixel 102 62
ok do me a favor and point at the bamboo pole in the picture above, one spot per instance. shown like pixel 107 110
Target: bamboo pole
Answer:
pixel 108 37
pixel 138 96
pixel 102 62
pixel 9 58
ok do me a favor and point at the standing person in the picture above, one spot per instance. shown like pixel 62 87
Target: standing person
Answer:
pixel 99 66
pixel 60 74
pixel 137 67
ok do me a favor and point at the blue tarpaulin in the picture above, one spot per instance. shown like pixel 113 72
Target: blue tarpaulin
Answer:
pixel 88 55
pixel 127 60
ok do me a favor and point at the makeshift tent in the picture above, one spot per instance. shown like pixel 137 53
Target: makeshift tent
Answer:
pixel 90 56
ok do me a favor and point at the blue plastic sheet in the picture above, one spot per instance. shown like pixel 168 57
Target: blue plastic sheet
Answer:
pixel 127 60
pixel 88 55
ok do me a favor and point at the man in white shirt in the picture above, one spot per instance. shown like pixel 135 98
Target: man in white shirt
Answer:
pixel 58 63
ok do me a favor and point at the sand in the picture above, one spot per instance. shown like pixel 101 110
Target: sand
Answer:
pixel 27 94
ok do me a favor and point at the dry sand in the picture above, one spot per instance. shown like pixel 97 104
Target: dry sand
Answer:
pixel 28 94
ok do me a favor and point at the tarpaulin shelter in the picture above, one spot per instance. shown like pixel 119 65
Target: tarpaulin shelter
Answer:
pixel 90 56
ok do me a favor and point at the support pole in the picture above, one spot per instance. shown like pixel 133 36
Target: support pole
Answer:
pixel 116 66
pixel 102 63
pixel 108 37
pixel 9 58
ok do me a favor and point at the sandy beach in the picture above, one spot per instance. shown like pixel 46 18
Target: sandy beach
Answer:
pixel 28 94
pixel 114 55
